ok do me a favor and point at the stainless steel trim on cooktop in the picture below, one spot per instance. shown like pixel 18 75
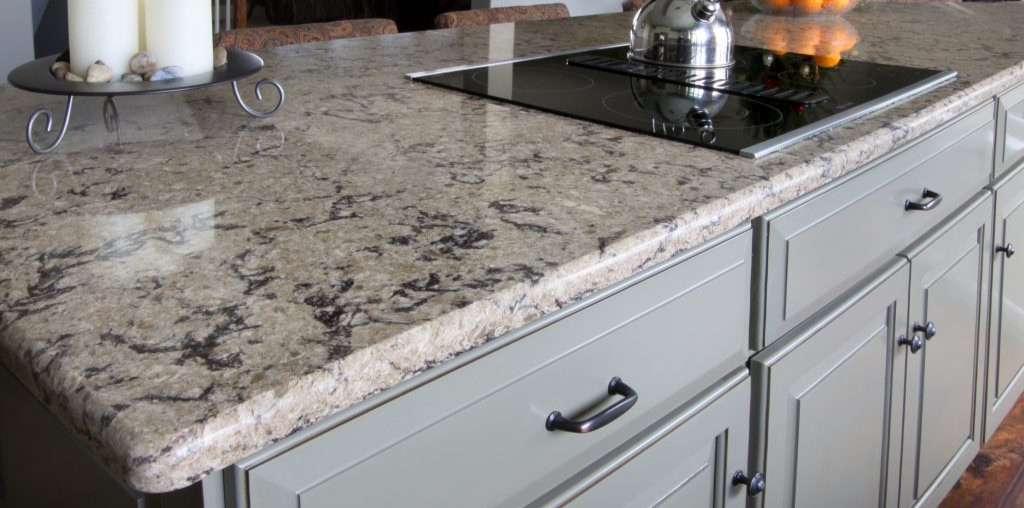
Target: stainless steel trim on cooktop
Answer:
pixel 423 74
pixel 783 140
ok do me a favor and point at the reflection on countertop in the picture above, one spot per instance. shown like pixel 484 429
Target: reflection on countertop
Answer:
pixel 213 282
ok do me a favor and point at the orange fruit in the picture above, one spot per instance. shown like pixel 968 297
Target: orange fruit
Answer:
pixel 842 39
pixel 828 47
pixel 805 40
pixel 776 42
pixel 807 6
pixel 836 5
pixel 827 61
pixel 777 5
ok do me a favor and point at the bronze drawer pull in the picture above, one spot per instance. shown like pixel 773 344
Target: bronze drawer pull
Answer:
pixel 556 421
pixel 933 199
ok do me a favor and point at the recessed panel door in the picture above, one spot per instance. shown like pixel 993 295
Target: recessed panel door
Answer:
pixel 1006 332
pixel 826 406
pixel 942 422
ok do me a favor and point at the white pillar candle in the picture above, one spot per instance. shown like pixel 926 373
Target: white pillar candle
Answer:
pixel 105 30
pixel 142 25
pixel 180 33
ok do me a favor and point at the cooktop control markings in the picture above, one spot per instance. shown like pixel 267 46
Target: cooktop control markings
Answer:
pixel 680 77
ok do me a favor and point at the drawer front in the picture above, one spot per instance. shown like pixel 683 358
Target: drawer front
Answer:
pixel 477 436
pixel 1010 148
pixel 825 245
pixel 688 463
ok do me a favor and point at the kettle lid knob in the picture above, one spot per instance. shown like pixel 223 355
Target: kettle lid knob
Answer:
pixel 705 10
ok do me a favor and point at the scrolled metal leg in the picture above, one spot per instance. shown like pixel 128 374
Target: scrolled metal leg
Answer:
pixel 43 112
pixel 111 118
pixel 259 96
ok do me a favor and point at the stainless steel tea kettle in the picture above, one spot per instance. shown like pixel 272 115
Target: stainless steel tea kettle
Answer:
pixel 682 33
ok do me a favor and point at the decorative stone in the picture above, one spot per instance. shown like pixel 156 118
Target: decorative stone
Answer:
pixel 99 72
pixel 166 73
pixel 220 56
pixel 60 69
pixel 72 77
pixel 142 63
pixel 131 78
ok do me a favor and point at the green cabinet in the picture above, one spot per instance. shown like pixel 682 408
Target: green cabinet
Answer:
pixel 876 400
pixel 1006 326
pixel 478 435
pixel 1010 137
pixel 689 460
pixel 828 400
pixel 942 418
pixel 822 244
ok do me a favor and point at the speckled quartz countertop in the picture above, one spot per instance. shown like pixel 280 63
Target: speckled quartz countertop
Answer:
pixel 216 282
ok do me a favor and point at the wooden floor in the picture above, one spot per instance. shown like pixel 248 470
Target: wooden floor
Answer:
pixel 996 477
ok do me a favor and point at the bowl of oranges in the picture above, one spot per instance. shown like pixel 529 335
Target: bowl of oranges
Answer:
pixel 825 38
pixel 805 7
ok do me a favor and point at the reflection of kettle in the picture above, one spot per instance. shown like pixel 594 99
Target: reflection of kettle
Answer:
pixel 679 107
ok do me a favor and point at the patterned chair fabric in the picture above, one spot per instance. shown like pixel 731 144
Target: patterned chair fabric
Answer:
pixel 483 17
pixel 632 5
pixel 250 39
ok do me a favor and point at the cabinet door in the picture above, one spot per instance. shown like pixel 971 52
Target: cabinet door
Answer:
pixel 948 297
pixel 1006 341
pixel 823 397
pixel 687 462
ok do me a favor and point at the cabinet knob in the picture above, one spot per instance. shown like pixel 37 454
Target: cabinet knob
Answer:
pixel 1008 250
pixel 930 199
pixel 928 329
pixel 915 343
pixel 555 420
pixel 755 484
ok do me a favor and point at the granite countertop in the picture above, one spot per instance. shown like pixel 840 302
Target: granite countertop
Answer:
pixel 214 282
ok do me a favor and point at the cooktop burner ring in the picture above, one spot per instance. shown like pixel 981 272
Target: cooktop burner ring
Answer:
pixel 541 78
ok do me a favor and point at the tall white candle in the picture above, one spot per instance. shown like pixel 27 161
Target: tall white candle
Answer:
pixel 142 25
pixel 105 30
pixel 180 33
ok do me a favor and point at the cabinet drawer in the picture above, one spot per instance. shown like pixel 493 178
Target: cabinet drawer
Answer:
pixel 688 462
pixel 477 436
pixel 826 244
pixel 1010 141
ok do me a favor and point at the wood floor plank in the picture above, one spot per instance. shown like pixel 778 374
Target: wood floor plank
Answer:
pixel 994 478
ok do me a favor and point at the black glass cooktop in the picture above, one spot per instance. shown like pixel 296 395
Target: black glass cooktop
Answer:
pixel 762 103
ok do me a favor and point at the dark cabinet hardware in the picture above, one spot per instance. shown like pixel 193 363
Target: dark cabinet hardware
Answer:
pixel 915 343
pixel 1008 250
pixel 556 421
pixel 755 484
pixel 928 329
pixel 931 200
